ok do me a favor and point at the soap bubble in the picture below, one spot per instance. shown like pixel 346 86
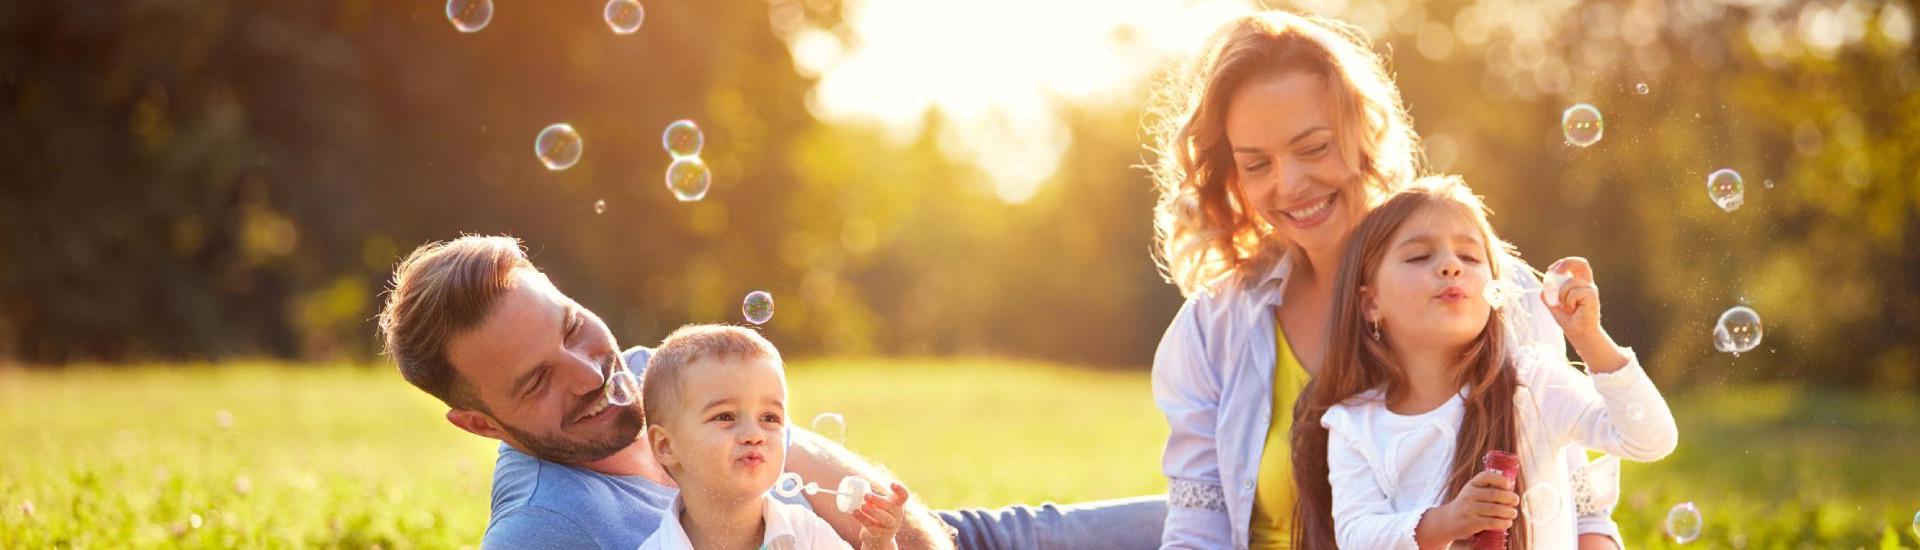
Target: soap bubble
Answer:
pixel 625 16
pixel 1916 523
pixel 1726 189
pixel 853 492
pixel 758 307
pixel 1543 502
pixel 1582 125
pixel 831 426
pixel 1769 183
pixel 622 388
pixel 683 139
pixel 688 178
pixel 600 206
pixel 470 15
pixel 558 146
pixel 1738 331
pixel 1641 88
pixel 1683 523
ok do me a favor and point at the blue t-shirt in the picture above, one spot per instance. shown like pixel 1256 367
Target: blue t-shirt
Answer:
pixel 539 504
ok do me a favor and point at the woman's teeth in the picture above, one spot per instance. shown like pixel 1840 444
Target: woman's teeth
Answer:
pixel 1311 211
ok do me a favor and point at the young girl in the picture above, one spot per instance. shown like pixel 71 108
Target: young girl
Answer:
pixel 1417 387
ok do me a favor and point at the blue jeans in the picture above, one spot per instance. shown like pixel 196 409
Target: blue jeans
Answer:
pixel 1117 524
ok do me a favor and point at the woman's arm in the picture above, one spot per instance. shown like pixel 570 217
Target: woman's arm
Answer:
pixel 1186 387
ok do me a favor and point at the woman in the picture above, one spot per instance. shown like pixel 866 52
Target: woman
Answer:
pixel 1271 146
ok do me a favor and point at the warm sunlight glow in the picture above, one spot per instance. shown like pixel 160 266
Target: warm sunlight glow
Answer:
pixel 999 71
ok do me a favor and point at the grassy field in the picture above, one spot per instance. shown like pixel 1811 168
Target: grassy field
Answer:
pixel 264 456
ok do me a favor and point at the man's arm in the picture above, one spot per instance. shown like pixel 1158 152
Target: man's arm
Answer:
pixel 822 461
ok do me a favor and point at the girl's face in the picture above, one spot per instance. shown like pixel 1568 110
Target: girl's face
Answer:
pixel 1287 162
pixel 1428 291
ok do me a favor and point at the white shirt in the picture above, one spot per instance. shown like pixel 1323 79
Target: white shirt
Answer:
pixel 1213 380
pixel 1388 469
pixel 789 527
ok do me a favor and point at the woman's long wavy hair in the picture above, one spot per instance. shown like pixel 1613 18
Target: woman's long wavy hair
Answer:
pixel 1203 233
pixel 1356 362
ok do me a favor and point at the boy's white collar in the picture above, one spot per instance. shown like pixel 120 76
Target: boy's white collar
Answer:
pixel 777 526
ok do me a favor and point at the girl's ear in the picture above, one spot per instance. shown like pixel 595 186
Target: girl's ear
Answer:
pixel 1369 308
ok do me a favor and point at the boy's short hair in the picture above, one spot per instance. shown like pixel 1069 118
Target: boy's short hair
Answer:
pixel 660 384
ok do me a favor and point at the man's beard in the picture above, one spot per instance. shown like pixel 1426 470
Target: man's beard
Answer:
pixel 558 448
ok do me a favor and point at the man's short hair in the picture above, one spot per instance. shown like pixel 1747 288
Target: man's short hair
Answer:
pixel 660 384
pixel 441 290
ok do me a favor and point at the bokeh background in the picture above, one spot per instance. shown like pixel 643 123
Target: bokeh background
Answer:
pixel 201 201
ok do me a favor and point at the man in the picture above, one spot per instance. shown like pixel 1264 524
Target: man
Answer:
pixel 474 323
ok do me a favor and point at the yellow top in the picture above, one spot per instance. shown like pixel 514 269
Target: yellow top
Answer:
pixel 1273 499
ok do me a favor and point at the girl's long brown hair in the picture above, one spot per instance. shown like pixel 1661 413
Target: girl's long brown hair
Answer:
pixel 1357 362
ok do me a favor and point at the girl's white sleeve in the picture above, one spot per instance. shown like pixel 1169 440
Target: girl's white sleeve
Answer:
pixel 1363 515
pixel 1186 387
pixel 1534 332
pixel 1619 412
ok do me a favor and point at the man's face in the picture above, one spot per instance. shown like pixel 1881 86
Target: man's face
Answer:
pixel 539 362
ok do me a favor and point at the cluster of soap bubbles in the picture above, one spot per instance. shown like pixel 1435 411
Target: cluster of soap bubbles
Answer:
pixel 623 16
pixel 688 176
pixel 1738 330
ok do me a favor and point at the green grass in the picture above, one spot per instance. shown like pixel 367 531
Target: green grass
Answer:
pixel 353 457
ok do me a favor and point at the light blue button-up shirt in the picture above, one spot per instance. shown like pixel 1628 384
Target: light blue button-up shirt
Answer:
pixel 1213 379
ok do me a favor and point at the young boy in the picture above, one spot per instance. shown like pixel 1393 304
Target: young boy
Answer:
pixel 714 398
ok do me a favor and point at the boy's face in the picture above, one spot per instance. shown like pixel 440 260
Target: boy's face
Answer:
pixel 727 434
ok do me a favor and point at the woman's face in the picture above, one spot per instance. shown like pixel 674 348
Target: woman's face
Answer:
pixel 1281 129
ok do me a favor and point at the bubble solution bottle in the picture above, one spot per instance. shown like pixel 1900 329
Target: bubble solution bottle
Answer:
pixel 1508 464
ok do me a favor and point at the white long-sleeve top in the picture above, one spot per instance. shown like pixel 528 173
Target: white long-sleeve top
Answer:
pixel 1388 469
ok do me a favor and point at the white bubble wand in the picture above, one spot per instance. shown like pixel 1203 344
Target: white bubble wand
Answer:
pixel 853 490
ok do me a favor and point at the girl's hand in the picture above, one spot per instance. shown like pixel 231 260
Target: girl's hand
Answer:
pixel 1579 316
pixel 1579 311
pixel 1487 502
pixel 880 518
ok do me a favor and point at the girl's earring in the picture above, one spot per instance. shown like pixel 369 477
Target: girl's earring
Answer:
pixel 1376 330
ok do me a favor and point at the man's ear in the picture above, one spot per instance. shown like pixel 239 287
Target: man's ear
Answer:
pixel 476 423
pixel 662 446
